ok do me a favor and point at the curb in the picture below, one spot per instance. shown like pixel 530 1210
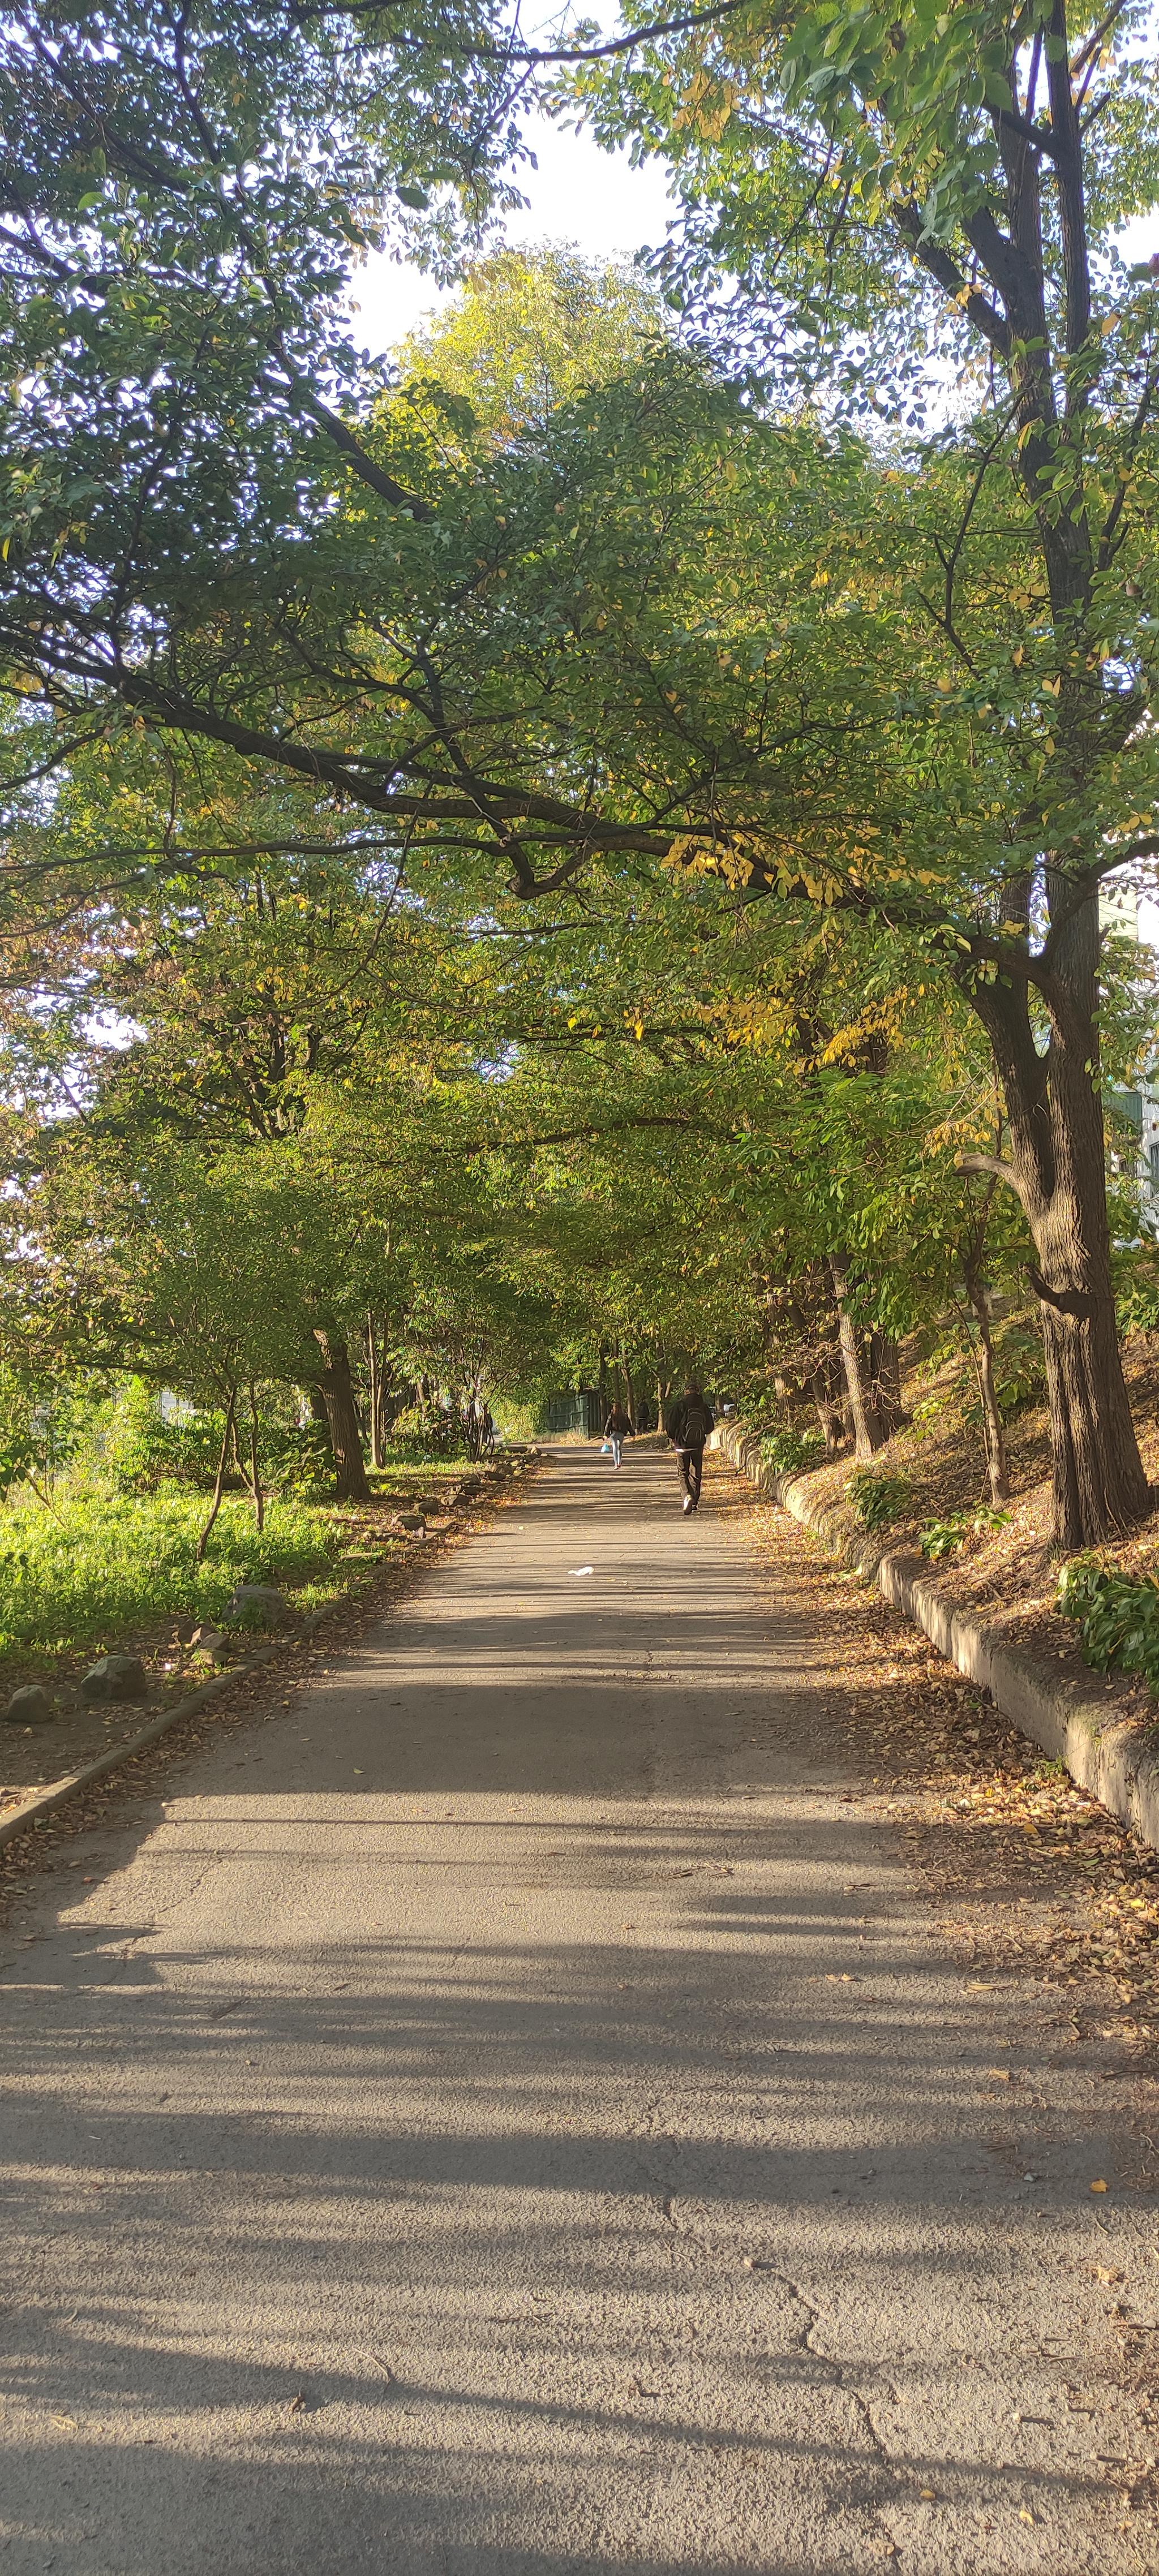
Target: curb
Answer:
pixel 60 1791
pixel 1116 1759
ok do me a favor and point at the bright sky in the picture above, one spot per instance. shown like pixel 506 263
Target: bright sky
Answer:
pixel 578 194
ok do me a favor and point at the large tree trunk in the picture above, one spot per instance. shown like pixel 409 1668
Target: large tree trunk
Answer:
pixel 885 1379
pixel 1057 1165
pixel 871 1422
pixel 1054 1100
pixel 336 1388
pixel 1099 1481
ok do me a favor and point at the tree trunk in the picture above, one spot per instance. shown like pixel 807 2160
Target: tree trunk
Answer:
pixel 375 1395
pixel 255 1470
pixel 828 1407
pixel 885 1379
pixel 871 1425
pixel 250 1476
pixel 336 1388
pixel 219 1488
pixel 992 1424
pixel 1058 1168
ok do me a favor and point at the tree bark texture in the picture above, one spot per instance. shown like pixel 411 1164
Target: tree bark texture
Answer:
pixel 1058 1168
pixel 336 1387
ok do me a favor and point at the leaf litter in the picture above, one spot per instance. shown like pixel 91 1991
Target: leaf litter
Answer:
pixel 1027 1872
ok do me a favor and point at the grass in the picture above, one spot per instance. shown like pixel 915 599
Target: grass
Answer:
pixel 99 1569
pixel 99 1565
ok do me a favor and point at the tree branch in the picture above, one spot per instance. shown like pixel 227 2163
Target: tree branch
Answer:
pixel 940 264
pixel 1065 1301
pixel 534 55
pixel 1038 135
pixel 991 1163
pixel 304 398
pixel 1094 42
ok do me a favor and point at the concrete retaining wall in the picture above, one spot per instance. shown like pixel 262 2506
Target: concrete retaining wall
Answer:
pixel 1116 1759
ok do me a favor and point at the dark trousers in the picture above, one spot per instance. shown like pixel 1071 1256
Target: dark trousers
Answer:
pixel 690 1468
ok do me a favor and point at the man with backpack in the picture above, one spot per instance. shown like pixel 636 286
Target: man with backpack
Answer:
pixel 688 1424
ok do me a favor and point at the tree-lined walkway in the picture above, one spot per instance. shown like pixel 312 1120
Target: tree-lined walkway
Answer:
pixel 508 2113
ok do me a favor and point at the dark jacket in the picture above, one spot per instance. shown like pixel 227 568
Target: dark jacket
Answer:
pixel 618 1422
pixel 689 1421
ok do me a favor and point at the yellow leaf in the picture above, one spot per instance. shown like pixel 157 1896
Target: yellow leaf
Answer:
pixel 1098 2186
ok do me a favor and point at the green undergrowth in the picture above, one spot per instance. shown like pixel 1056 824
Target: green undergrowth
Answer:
pixel 100 1564
pixel 788 1451
pixel 879 1496
pixel 939 1539
pixel 1118 1617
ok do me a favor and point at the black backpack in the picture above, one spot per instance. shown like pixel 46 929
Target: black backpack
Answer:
pixel 697 1424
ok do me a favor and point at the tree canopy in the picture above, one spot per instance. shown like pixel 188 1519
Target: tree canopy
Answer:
pixel 625 756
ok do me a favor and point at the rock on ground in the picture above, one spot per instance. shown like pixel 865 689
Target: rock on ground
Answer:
pixel 115 1677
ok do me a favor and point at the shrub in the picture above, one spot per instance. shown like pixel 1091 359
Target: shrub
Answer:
pixel 298 1458
pixel 878 1497
pixel 1137 1302
pixel 787 1450
pixel 139 1450
pixel 1118 1616
pixel 424 1432
pixel 939 1539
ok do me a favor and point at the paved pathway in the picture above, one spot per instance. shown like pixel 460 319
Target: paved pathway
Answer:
pixel 509 2116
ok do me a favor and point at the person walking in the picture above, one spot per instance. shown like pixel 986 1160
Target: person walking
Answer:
pixel 617 1429
pixel 688 1424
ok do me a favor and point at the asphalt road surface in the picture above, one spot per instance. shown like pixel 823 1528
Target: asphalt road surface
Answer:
pixel 509 2115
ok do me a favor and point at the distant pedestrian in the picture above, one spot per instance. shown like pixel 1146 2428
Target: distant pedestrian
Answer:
pixel 617 1429
pixel 688 1424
